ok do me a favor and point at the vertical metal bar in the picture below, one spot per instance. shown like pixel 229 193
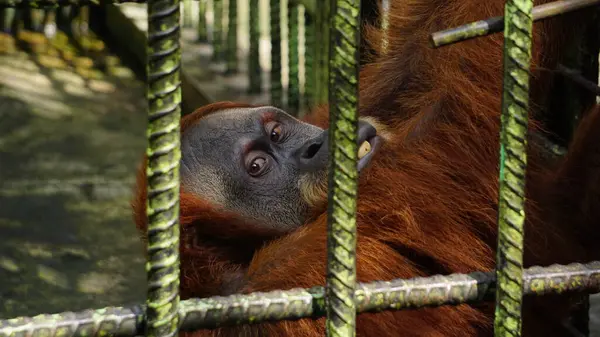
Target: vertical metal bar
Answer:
pixel 293 57
pixel 162 171
pixel 309 53
pixel 8 16
pixel 322 32
pixel 254 69
pixel 187 13
pixel 232 38
pixel 202 25
pixel 37 19
pixel 370 15
pixel 385 6
pixel 580 318
pixel 513 162
pixel 568 101
pixel 50 23
pixel 63 18
pixel 317 31
pixel 217 38
pixel 276 85
pixel 26 18
pixel 343 176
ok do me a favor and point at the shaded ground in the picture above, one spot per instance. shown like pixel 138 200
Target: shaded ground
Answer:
pixel 70 139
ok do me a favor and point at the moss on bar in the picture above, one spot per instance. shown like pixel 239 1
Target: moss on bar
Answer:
pixel 299 303
pixel 513 165
pixel 162 171
pixel 343 176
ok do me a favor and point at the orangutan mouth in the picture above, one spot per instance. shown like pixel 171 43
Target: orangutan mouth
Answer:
pixel 369 142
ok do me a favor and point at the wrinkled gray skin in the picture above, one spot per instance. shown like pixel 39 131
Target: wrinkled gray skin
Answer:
pixel 216 152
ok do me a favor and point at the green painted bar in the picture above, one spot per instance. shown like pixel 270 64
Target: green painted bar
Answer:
pixel 231 54
pixel 254 68
pixel 293 102
pixel 343 176
pixel 217 34
pixel 202 24
pixel 276 85
pixel 293 304
pixel 162 171
pixel 513 164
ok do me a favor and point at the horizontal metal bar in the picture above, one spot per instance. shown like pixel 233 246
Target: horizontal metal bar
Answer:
pixel 496 24
pixel 576 77
pixel 55 3
pixel 299 303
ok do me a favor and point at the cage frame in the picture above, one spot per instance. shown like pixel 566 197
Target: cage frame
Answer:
pixel 337 68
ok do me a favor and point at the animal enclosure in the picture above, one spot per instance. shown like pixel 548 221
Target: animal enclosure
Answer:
pixel 331 63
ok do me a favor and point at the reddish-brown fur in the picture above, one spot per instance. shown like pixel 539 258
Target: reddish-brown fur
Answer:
pixel 428 203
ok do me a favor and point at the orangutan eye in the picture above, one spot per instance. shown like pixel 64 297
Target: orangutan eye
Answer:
pixel 257 166
pixel 276 133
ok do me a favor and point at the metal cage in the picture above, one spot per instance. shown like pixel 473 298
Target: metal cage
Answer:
pixel 334 59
